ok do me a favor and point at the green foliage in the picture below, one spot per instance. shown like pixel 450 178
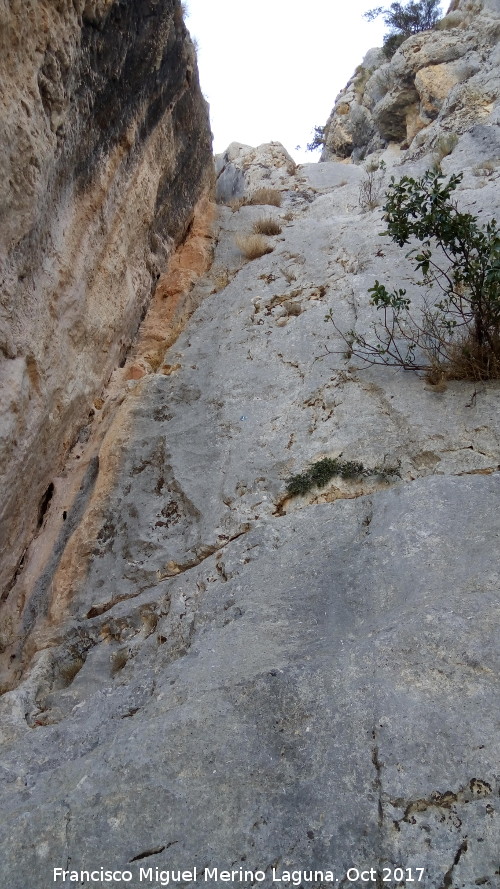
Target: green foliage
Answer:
pixel 459 334
pixel 392 42
pixel 408 18
pixel 320 473
pixel 318 139
pixel 405 19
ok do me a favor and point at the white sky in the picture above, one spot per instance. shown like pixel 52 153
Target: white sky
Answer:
pixel 271 69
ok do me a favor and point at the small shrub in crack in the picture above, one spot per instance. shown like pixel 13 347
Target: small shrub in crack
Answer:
pixel 370 189
pixel 119 660
pixel 320 473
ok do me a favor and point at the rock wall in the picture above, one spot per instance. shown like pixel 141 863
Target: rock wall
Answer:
pixel 436 86
pixel 218 674
pixel 211 672
pixel 106 149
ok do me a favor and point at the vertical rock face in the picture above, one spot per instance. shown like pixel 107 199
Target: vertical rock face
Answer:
pixel 106 149
pixel 438 82
pixel 224 673
pixel 215 670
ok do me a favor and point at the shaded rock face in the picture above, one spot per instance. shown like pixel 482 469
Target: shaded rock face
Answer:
pixel 438 82
pixel 106 151
pixel 218 674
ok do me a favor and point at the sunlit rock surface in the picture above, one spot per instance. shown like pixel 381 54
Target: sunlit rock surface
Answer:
pixel 438 84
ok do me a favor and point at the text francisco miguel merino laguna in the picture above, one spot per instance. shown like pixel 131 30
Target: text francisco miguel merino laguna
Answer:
pixel 208 874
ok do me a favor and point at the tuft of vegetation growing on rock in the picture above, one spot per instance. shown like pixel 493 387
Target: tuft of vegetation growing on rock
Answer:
pixel 221 278
pixel 444 146
pixel 458 335
pixel 253 246
pixel 320 473
pixel 266 225
pixel 270 196
pixel 370 189
pixel 405 19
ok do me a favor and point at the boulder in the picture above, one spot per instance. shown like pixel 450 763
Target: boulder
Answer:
pixel 241 169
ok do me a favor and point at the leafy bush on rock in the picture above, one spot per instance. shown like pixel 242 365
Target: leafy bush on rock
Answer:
pixel 318 139
pixel 458 336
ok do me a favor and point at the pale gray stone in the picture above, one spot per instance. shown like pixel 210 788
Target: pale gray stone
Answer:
pixel 334 704
pixel 243 678
pixel 446 78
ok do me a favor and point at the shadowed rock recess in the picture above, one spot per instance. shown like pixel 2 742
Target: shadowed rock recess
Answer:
pixel 202 672
pixel 106 150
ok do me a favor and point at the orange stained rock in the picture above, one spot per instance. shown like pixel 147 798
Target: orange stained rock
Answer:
pixel 172 303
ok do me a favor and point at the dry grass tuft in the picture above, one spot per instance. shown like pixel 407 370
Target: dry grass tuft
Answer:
pixel 486 168
pixel 444 146
pixel 235 204
pixel 68 671
pixel 253 246
pixel 465 360
pixel 266 225
pixel 270 196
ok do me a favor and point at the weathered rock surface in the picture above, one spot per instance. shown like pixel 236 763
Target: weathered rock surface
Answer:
pixel 300 699
pixel 211 673
pixel 105 151
pixel 438 83
pixel 218 675
pixel 241 169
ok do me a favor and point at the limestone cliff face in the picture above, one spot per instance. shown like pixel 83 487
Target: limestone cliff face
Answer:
pixel 106 149
pixel 438 83
pixel 216 673
pixel 204 670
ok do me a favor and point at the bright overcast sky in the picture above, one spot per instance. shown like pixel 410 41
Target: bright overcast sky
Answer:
pixel 271 69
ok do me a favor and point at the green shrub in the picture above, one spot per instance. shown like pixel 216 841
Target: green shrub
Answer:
pixel 392 42
pixel 318 139
pixel 458 336
pixel 405 19
pixel 319 474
